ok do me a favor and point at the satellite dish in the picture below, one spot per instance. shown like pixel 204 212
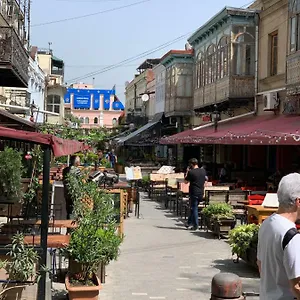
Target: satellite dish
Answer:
pixel 188 46
pixel 145 97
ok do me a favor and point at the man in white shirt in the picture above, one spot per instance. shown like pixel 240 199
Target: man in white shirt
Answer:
pixel 278 253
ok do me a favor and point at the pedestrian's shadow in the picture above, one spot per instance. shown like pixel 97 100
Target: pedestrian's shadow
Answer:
pixel 241 268
pixel 204 234
pixel 178 226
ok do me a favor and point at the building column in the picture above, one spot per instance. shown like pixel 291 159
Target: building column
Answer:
pixel 111 101
pixel 101 104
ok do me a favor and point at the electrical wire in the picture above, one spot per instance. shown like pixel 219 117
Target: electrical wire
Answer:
pixel 90 15
pixel 141 55
pixel 133 58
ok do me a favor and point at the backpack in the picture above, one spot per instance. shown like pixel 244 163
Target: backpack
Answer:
pixel 288 237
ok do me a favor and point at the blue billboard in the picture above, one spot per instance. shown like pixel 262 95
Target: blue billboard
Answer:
pixel 90 99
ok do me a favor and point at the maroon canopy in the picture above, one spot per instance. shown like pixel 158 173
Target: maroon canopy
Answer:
pixel 60 147
pixel 251 130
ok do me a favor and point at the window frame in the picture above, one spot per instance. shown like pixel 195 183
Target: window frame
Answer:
pixel 223 58
pixel 273 69
pixel 210 64
pixel 52 105
pixel 294 26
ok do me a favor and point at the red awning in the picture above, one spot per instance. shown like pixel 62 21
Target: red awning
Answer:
pixel 251 130
pixel 60 147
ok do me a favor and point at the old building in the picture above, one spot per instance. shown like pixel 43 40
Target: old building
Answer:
pixel 94 107
pixel 135 108
pixel 224 52
pixel 272 53
pixel 53 67
pixel 292 103
pixel 13 55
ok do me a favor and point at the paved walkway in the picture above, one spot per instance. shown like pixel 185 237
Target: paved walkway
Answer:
pixel 160 259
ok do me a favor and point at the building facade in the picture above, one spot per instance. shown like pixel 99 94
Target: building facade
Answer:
pixel 13 54
pixel 179 86
pixel 135 108
pixel 272 55
pixel 224 53
pixel 53 67
pixel 95 108
pixel 160 88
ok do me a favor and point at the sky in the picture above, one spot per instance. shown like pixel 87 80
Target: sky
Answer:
pixel 117 31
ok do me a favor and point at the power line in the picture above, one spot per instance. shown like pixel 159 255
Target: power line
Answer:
pixel 96 66
pixel 141 55
pixel 131 59
pixel 92 14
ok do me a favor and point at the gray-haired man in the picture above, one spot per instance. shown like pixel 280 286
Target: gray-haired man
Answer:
pixel 278 251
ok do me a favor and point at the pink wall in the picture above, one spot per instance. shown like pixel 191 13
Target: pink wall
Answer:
pixel 108 117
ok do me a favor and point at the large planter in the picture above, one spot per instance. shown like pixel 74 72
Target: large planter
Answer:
pixel 19 291
pixel 83 292
pixel 222 227
pixel 119 168
pixel 250 257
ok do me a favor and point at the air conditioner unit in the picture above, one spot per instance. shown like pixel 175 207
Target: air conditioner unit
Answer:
pixel 271 101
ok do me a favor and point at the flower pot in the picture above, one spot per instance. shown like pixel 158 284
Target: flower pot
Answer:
pixel 83 292
pixel 222 227
pixel 19 291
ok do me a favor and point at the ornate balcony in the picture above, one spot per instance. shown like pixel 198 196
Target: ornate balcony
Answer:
pixel 13 59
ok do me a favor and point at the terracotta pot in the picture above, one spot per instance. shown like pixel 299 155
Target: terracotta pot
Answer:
pixel 83 292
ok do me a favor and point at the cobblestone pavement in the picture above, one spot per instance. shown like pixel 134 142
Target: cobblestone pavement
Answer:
pixel 160 259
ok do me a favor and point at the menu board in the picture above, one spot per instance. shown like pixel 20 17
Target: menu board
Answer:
pixel 133 173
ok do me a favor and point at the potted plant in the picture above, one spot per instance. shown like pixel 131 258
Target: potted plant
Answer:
pixel 243 242
pixel 11 170
pixel 219 218
pixel 21 271
pixel 92 244
pixel 119 168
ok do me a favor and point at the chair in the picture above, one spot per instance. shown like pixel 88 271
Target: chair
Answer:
pixel 157 186
pixel 182 198
pixel 171 192
pixel 239 209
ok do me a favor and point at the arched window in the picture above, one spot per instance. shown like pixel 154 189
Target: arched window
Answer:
pixel 294 25
pixel 244 54
pixel 86 120
pixel 199 80
pixel 211 64
pixel 96 120
pixel 114 122
pixel 81 120
pixel 223 58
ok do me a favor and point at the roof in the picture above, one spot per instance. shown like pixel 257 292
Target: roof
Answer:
pixel 60 147
pixel 251 130
pixel 135 133
pixel 149 63
pixel 176 54
pixel 221 16
pixel 8 119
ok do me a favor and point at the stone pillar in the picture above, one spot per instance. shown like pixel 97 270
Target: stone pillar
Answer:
pixel 111 101
pixel 101 104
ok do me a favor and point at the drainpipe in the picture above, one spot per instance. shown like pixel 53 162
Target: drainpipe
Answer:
pixel 256 62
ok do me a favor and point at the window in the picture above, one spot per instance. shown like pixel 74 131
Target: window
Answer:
pixel 294 8
pixel 87 120
pixel 53 103
pixel 211 64
pixel 114 122
pixel 223 53
pixel 199 80
pixel 273 53
pixel 81 120
pixel 96 120
pixel 244 54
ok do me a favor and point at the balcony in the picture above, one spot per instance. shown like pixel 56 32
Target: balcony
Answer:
pixel 13 59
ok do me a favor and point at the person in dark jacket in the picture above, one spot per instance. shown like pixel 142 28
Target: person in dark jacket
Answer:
pixel 196 177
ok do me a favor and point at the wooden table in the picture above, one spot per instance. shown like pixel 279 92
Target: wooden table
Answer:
pixel 260 212
pixel 54 240
pixel 53 224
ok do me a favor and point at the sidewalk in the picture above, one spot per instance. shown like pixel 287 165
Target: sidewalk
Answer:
pixel 160 259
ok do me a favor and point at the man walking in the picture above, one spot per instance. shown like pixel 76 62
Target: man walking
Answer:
pixel 112 157
pixel 196 177
pixel 278 256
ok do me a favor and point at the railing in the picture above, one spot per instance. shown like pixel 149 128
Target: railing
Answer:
pixel 12 52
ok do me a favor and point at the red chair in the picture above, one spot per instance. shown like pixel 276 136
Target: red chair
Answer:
pixel 256 199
